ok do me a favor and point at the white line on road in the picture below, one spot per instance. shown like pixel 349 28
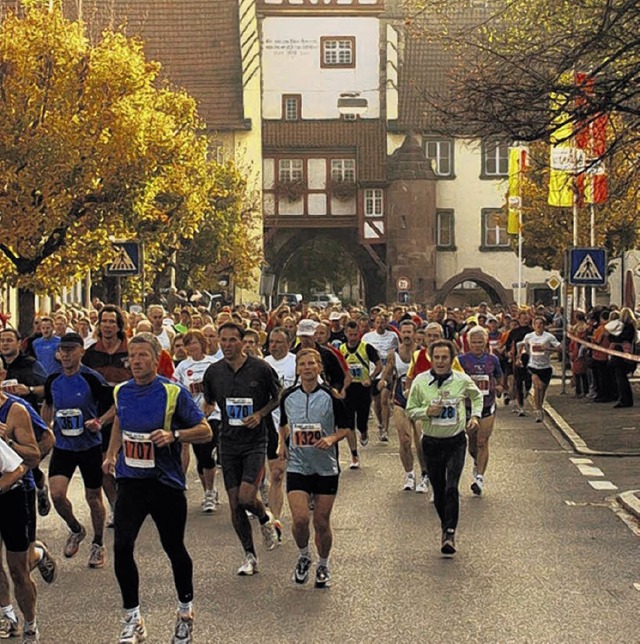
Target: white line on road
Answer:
pixel 589 470
pixel 603 485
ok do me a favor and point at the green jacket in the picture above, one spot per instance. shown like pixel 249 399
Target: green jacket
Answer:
pixel 452 394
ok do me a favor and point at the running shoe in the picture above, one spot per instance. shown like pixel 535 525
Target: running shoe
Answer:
pixel 97 556
pixel 301 571
pixel 31 635
pixel 277 524
pixel 323 577
pixel 73 543
pixel 409 482
pixel 8 628
pixel 209 502
pixel 478 484
pixel 424 486
pixel 355 463
pixel 269 534
pixel 183 632
pixel 507 400
pixel 521 412
pixel 384 436
pixel 539 416
pixel 448 542
pixel 249 567
pixel 133 631
pixel 110 519
pixel 44 504
pixel 47 566
pixel 364 439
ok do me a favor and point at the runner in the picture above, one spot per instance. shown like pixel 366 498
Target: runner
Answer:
pixel 396 372
pixel 384 341
pixel 74 401
pixel 312 422
pixel 484 369
pixel 283 363
pixel 190 372
pixel 46 346
pixel 359 356
pixel 14 522
pixel 521 375
pixel 538 345
pixel 246 390
pixel 437 399
pixel 164 333
pixel 154 417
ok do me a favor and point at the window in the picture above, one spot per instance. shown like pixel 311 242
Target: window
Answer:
pixel 338 51
pixel 440 153
pixel 495 159
pixel 290 170
pixel 291 107
pixel 445 238
pixel 494 230
pixel 373 202
pixel 343 170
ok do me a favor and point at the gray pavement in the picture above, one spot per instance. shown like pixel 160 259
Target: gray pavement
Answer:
pixel 543 557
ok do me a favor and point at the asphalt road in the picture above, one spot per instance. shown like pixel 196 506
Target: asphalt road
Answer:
pixel 543 557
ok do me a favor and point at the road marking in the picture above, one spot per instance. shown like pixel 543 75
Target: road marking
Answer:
pixel 580 461
pixel 588 470
pixel 603 485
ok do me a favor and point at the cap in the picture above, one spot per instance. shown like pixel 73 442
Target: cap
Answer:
pixel 306 327
pixel 71 340
pixel 334 315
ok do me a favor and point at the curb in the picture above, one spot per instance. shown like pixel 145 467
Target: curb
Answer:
pixel 630 502
pixel 578 444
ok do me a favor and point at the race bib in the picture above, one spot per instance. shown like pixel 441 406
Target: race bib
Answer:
pixel 238 409
pixel 482 383
pixel 537 348
pixel 449 414
pixel 196 388
pixel 138 450
pixel 306 434
pixel 356 371
pixel 70 421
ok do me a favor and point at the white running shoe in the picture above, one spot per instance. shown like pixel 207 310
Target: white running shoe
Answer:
pixel 209 502
pixel 521 412
pixel 269 534
pixel 133 631
pixel 424 485
pixel 249 567
pixel 409 482
pixel 539 416
pixel 355 463
pixel 477 485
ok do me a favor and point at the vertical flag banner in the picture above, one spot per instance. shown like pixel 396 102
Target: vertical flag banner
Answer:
pixel 563 163
pixel 517 166
pixel 592 140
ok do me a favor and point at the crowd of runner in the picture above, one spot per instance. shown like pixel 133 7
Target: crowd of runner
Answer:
pixel 264 396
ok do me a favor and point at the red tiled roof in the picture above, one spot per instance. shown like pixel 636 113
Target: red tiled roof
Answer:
pixel 366 136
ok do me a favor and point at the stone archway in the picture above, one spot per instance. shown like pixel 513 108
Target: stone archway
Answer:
pixel 284 242
pixel 495 290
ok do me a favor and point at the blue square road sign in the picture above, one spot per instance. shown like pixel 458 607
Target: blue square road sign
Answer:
pixel 588 267
pixel 126 261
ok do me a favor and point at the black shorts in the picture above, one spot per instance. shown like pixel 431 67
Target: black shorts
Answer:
pixel 374 387
pixel 272 444
pixel 313 483
pixel 31 515
pixel 543 374
pixel 14 520
pixel 64 463
pixel 243 467
pixel 206 452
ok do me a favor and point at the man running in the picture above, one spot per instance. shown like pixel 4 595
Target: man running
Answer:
pixel 396 372
pixel 164 333
pixel 437 398
pixel 246 390
pixel 46 346
pixel 154 417
pixel 74 401
pixel 484 369
pixel 312 422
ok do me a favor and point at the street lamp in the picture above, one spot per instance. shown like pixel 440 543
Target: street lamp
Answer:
pixel 350 104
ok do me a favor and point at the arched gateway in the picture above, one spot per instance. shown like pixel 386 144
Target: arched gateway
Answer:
pixel 495 290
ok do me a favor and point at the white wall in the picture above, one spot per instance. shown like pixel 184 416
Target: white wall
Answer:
pixel 291 64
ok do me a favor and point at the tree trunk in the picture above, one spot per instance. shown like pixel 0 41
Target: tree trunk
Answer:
pixel 26 311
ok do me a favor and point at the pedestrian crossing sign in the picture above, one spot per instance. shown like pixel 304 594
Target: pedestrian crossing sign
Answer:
pixel 588 267
pixel 126 259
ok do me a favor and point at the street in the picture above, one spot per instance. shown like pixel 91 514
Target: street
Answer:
pixel 542 558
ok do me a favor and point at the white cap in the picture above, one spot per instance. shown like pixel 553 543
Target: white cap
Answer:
pixel 306 327
pixel 335 315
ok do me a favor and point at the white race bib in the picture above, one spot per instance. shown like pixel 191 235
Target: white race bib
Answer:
pixel 356 371
pixel 306 434
pixel 70 421
pixel 482 383
pixel 139 450
pixel 449 414
pixel 238 409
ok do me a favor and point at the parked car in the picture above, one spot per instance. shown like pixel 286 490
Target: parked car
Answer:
pixel 323 300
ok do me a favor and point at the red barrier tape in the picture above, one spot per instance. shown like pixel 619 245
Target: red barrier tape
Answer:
pixel 611 352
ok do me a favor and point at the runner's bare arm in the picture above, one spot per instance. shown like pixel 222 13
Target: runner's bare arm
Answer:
pixel 21 430
pixel 115 444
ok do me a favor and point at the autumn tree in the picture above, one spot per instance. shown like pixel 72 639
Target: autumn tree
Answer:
pixel 92 147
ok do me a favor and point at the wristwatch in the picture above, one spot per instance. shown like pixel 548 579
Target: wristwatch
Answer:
pixel 176 435
pixel 31 389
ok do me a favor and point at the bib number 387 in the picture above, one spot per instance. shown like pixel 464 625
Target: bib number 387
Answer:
pixel 306 434
pixel 238 409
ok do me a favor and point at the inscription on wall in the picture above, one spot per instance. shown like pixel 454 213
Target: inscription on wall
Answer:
pixel 291 46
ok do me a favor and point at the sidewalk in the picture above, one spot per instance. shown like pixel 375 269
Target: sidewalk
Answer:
pixel 597 429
